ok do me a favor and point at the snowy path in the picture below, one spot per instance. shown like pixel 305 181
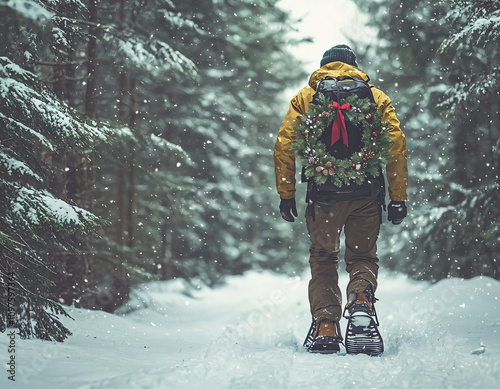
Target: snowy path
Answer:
pixel 249 334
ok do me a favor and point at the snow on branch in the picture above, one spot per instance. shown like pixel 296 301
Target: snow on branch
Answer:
pixel 176 20
pixel 29 134
pixel 463 91
pixel 10 69
pixel 29 9
pixel 481 28
pixel 153 56
pixel 169 146
pixel 29 207
pixel 35 111
pixel 478 32
pixel 13 166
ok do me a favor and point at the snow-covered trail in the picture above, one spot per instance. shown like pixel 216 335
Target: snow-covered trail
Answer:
pixel 249 334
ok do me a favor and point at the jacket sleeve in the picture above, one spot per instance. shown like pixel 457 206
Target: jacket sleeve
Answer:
pixel 284 158
pixel 397 167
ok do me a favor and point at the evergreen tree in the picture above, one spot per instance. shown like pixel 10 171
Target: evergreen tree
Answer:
pixel 242 77
pixel 135 62
pixel 204 207
pixel 472 61
pixel 189 92
pixel 449 232
pixel 35 224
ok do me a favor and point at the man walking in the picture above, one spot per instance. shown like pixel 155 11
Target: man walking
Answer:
pixel 356 209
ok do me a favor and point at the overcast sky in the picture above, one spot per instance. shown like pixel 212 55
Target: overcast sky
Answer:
pixel 328 23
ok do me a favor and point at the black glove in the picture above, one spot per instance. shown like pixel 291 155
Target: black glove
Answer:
pixel 396 211
pixel 287 208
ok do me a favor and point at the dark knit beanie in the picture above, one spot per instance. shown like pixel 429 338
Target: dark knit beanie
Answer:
pixel 341 53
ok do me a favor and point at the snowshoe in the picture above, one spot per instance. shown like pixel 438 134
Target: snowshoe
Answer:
pixel 362 334
pixel 323 344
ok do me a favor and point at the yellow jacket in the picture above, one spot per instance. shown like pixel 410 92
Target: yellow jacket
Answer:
pixel 284 159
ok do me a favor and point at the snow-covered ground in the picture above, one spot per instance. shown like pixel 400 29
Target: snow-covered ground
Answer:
pixel 249 334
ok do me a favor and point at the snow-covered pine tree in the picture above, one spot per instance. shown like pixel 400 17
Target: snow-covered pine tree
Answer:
pixel 187 184
pixel 35 223
pixel 54 40
pixel 230 119
pixel 137 65
pixel 451 132
pixel 203 209
pixel 476 29
pixel 473 97
pixel 111 49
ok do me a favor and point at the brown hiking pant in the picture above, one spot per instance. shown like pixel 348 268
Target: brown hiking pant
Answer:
pixel 361 222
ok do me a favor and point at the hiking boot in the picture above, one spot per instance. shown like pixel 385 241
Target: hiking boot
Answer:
pixel 361 303
pixel 362 334
pixel 324 338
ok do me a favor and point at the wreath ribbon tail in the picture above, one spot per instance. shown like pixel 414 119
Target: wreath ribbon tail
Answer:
pixel 339 123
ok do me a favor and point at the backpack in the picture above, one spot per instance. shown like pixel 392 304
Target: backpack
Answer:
pixel 327 193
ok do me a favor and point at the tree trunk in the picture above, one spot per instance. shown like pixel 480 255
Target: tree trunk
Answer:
pixel 167 269
pixel 79 175
pixel 121 178
pixel 132 170
pixel 71 180
pixel 91 92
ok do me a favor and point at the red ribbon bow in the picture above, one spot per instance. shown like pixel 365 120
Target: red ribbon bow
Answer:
pixel 339 123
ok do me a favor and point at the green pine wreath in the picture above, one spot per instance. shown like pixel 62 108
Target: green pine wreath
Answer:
pixel 312 152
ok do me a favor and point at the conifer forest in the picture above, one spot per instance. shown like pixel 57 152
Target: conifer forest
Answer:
pixel 136 144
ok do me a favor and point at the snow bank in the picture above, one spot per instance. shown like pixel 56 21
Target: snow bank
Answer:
pixel 249 334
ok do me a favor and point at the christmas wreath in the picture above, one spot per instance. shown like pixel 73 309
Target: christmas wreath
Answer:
pixel 313 154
